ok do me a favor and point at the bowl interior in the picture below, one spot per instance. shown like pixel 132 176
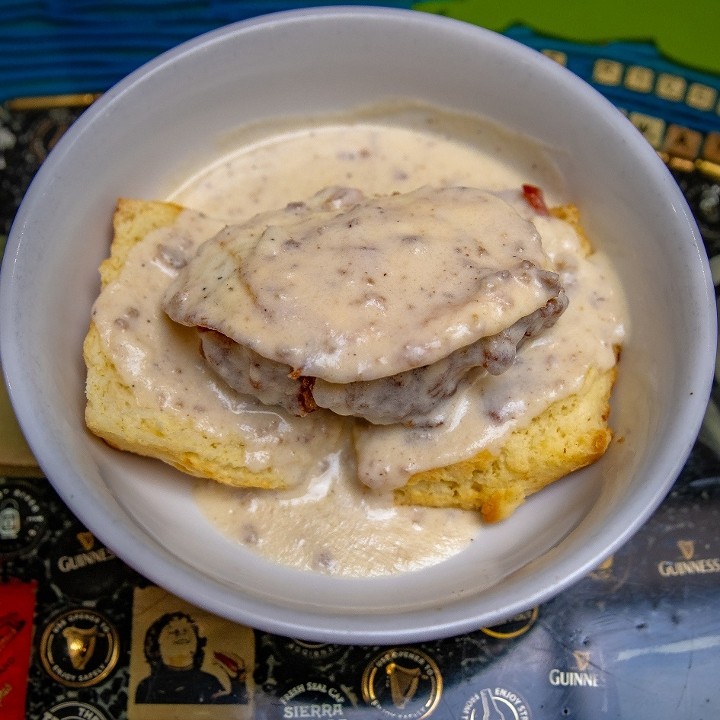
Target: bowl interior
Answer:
pixel 179 113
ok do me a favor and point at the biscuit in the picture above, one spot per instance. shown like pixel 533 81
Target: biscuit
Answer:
pixel 113 411
pixel 567 436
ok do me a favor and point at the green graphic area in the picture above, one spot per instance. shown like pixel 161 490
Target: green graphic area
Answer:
pixel 687 33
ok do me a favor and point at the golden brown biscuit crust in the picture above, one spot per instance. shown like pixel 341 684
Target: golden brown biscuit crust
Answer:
pixel 567 436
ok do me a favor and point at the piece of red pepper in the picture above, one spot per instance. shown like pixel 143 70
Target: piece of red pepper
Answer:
pixel 534 197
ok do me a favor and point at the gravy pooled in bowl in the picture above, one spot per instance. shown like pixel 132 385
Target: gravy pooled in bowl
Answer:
pixel 343 391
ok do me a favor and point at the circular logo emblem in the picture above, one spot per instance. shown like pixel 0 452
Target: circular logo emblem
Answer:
pixel 314 651
pixel 496 703
pixel 74 710
pixel 514 627
pixel 79 648
pixel 23 519
pixel 84 568
pixel 402 683
pixel 315 699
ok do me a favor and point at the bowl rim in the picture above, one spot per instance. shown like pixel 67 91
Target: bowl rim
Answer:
pixel 431 624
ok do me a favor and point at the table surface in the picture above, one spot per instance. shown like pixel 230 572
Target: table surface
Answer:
pixel 79 629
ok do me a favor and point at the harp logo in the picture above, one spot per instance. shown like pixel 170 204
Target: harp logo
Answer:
pixel 611 574
pixel 402 683
pixel 584 675
pixel 687 549
pixel 79 648
pixel 686 563
pixel 582 659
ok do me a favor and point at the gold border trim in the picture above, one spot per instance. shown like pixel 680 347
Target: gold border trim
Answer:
pixel 515 633
pixel 111 658
pixel 47 102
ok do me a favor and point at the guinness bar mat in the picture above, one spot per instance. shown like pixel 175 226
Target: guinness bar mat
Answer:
pixel 84 636
pixel 105 641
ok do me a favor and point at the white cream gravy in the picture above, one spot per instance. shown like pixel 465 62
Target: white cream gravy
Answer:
pixel 346 287
pixel 329 522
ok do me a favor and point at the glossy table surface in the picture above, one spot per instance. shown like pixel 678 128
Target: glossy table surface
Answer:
pixel 81 633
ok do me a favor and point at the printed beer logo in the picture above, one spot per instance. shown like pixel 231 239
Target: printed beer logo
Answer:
pixel 610 575
pixel 86 539
pixel 496 703
pixel 402 683
pixel 83 568
pixel 79 648
pixel 316 699
pixel 582 659
pixel 605 569
pixel 583 675
pixel 73 710
pixel 686 563
pixel 23 520
pixel 687 549
pixel 315 652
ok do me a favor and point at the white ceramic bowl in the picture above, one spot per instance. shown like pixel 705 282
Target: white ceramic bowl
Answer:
pixel 170 117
